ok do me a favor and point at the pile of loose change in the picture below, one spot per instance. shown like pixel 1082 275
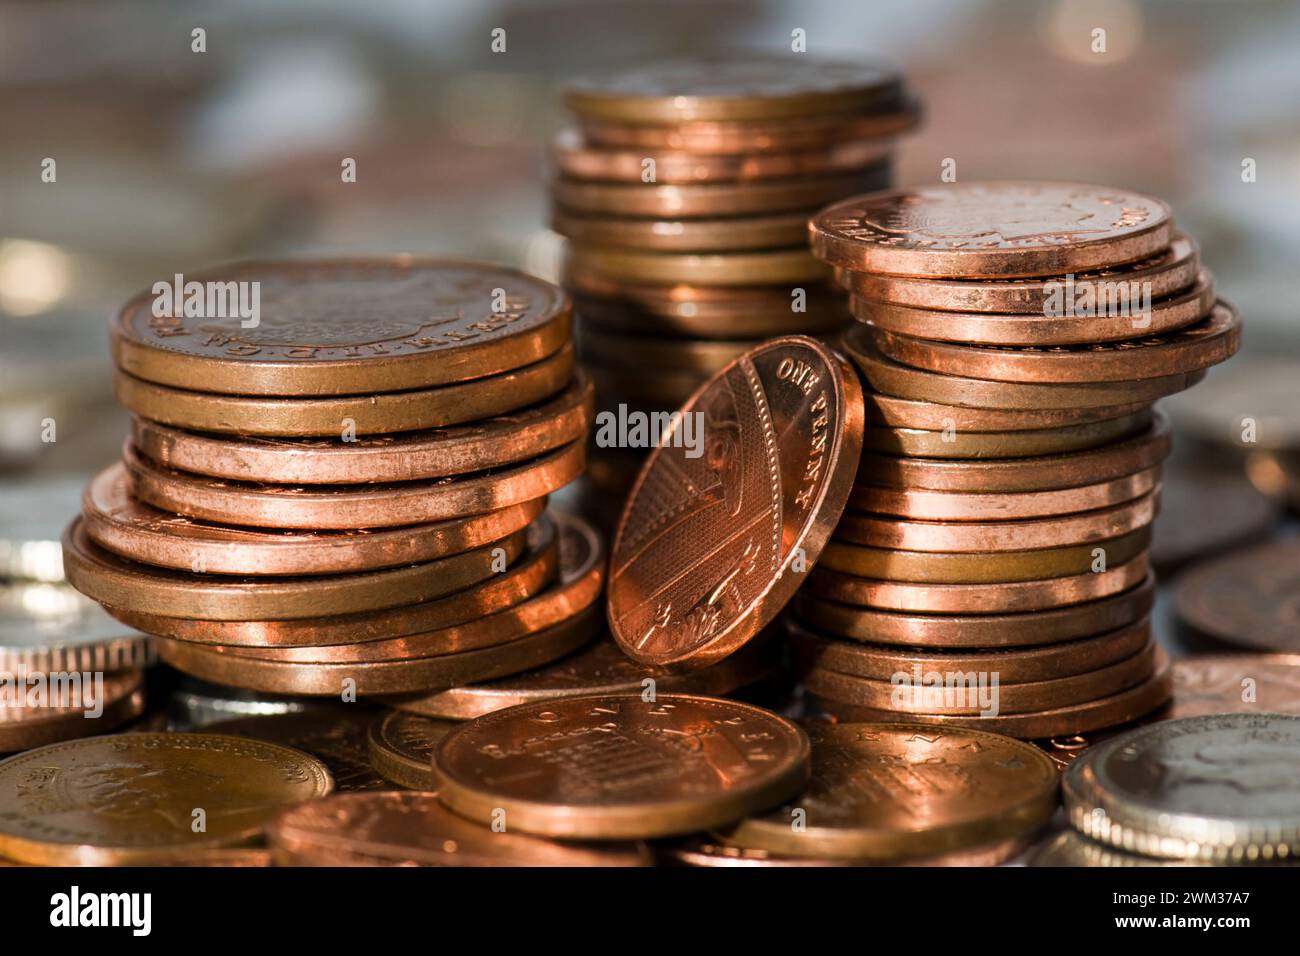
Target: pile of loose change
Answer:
pixel 991 570
pixel 685 191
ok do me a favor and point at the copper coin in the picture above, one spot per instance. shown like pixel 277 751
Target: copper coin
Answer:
pixel 754 86
pixel 1024 443
pixel 132 529
pixel 710 851
pixel 890 791
pixel 1189 349
pixel 493 443
pixel 949 567
pixel 1250 598
pixel 1128 318
pixel 666 390
pixel 1207 510
pixel 401 747
pixel 643 351
pixel 991 229
pixel 1067 748
pixel 814 651
pixel 349 507
pixel 710 200
pixel 35 714
pixel 335 736
pixel 1236 683
pixel 895 412
pixel 534 570
pixel 894 378
pixel 575 158
pixel 1021 534
pixel 619 767
pixel 599 668
pixel 128 799
pixel 379 413
pixel 959 506
pixel 702 559
pixel 415 829
pixel 780 231
pixel 978 599
pixel 766 267
pixel 1166 273
pixel 49 628
pixel 340 327
pixel 119 583
pixel 1021 475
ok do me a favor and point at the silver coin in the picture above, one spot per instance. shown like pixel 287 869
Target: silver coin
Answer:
pixel 33 514
pixel 196 703
pixel 51 628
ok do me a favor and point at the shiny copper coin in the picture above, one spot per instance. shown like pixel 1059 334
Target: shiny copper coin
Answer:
pixel 662 201
pixel 49 628
pixel 619 767
pixel 401 747
pixel 1128 318
pixel 415 829
pixel 132 529
pixel 336 736
pixel 131 798
pixel 775 267
pixel 525 577
pixel 702 559
pixel 599 668
pixel 642 351
pixel 1250 598
pixel 991 229
pixel 35 714
pixel 1012 597
pixel 1166 273
pixel 893 412
pixel 930 505
pixel 780 231
pixel 892 791
pixel 119 583
pixel 348 507
pixel 948 567
pixel 1024 443
pixel 340 327
pixel 1207 510
pixel 577 159
pixel 379 413
pixel 1189 349
pixel 894 378
pixel 457 450
pixel 1236 683
pixel 752 86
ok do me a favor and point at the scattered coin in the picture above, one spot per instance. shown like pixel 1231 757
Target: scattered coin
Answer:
pixel 336 736
pixel 401 746
pixel 67 706
pixel 1207 510
pixel 1236 683
pixel 1250 598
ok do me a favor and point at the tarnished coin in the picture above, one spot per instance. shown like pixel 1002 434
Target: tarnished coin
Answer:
pixel 1215 788
pixel 1250 598
pixel 896 790
pixel 64 706
pixel 336 736
pixel 415 829
pixel 339 327
pixel 1236 683
pixel 991 229
pixel 401 747
pixel 48 628
pixel 134 798
pixel 619 767
pixel 702 559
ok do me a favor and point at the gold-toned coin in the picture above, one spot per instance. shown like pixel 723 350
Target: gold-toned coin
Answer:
pixel 779 267
pixel 401 747
pixel 336 736
pixel 779 231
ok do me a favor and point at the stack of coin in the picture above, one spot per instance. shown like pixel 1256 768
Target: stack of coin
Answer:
pixel 685 191
pixel 992 569
pixel 343 492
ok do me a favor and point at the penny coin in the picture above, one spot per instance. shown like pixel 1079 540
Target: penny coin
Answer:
pixel 1207 510
pixel 1232 683
pixel 119 583
pixel 576 159
pixel 642 351
pixel 780 267
pixel 33 715
pixel 663 391
pixel 749 87
pixel 618 767
pixel 131 798
pixel 51 628
pixel 401 747
pixel 894 378
pixel 340 327
pixel 953 443
pixel 1065 749
pixel 1128 318
pixel 1250 598
pixel 415 829
pixel 702 557
pixel 525 577
pixel 349 507
pixel 493 443
pixel 780 231
pixel 1216 788
pixel 991 230
pixel 599 668
pixel 335 736
pixel 334 416
pixel 896 790
pixel 1168 272
pixel 895 412
pixel 960 506
pixel 128 527
pixel 1188 349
